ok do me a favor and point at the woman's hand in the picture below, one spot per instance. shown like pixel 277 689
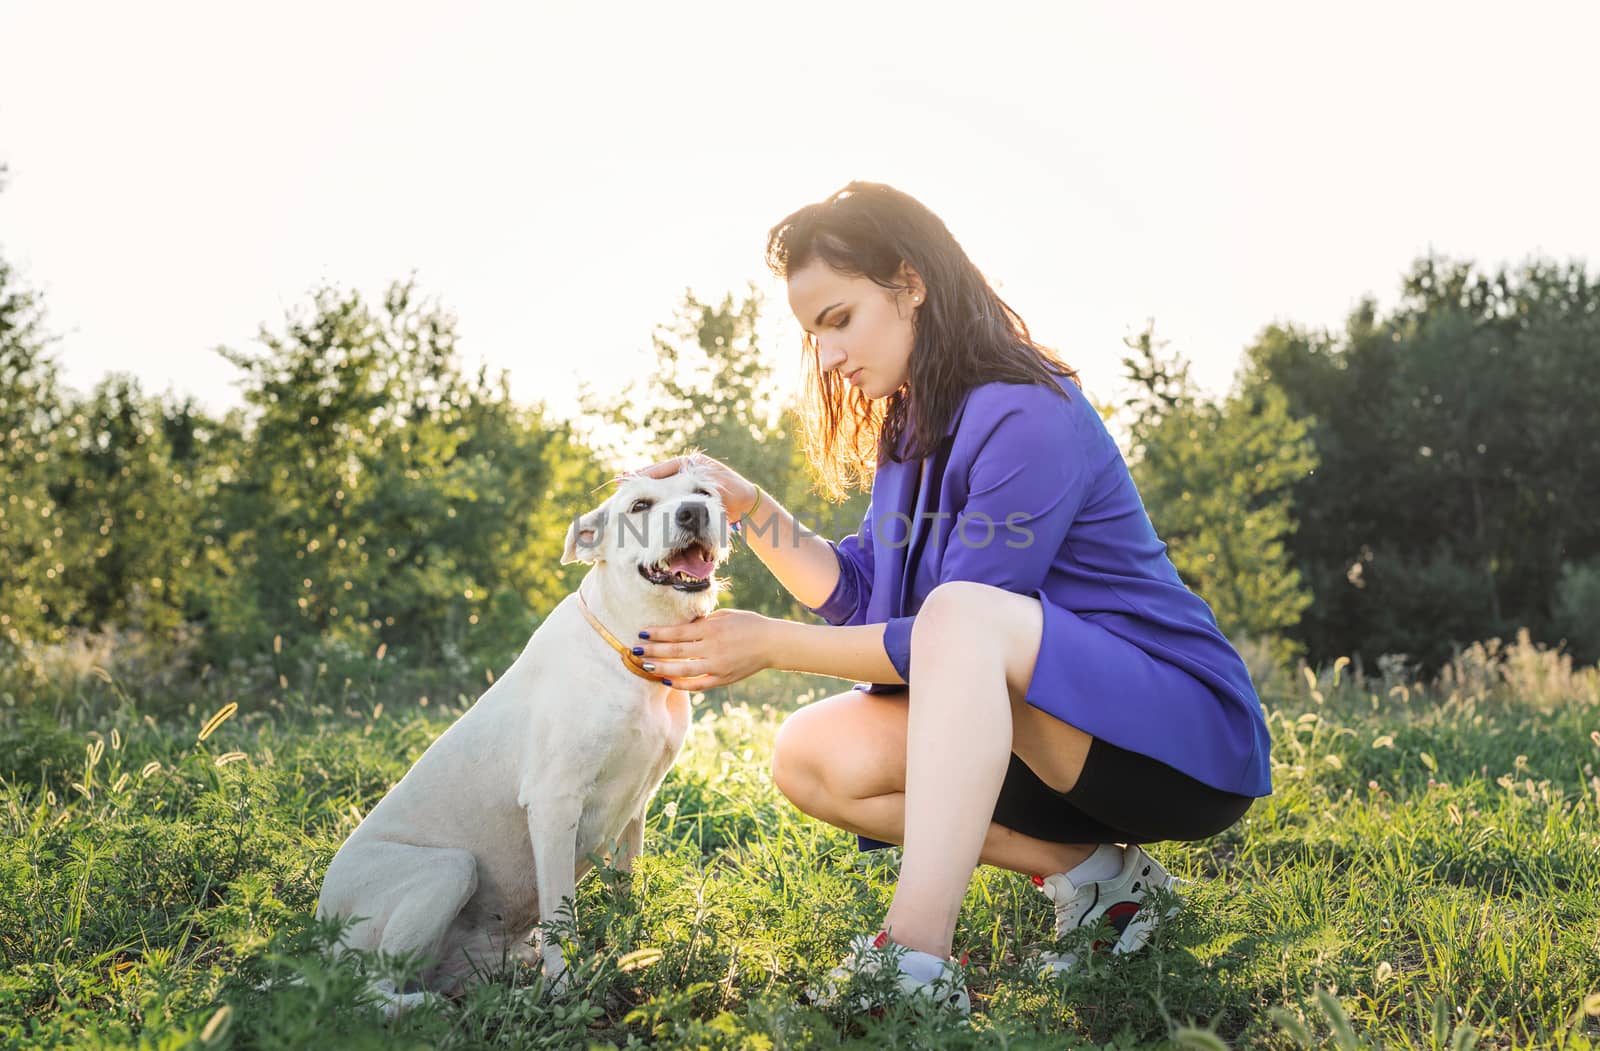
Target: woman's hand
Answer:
pixel 722 647
pixel 738 494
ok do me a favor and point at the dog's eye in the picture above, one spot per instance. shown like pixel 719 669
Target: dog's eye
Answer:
pixel 640 504
pixel 702 492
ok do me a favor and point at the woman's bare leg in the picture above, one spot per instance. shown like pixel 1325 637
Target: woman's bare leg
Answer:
pixel 925 768
pixel 842 760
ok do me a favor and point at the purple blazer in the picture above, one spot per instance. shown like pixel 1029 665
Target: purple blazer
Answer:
pixel 1029 492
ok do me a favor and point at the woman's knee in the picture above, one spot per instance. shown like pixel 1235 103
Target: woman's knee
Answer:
pixel 795 758
pixel 839 747
pixel 952 608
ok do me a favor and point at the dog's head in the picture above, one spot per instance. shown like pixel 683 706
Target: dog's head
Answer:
pixel 666 535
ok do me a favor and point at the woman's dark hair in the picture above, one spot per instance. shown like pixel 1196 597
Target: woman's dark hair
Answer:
pixel 965 334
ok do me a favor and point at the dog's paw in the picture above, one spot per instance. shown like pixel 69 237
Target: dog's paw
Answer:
pixel 394 1003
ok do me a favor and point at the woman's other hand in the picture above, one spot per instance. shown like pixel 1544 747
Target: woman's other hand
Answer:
pixel 738 494
pixel 722 647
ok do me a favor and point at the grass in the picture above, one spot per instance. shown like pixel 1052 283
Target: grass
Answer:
pixel 1426 875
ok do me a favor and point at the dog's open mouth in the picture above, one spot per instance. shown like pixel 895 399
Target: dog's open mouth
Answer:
pixel 687 568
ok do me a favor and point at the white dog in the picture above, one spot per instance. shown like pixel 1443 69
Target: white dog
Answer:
pixel 477 847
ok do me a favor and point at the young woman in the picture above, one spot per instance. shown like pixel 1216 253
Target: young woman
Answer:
pixel 1040 690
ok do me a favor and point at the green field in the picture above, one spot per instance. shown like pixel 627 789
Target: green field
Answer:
pixel 1426 875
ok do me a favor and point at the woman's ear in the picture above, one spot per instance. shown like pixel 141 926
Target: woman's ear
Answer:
pixel 583 536
pixel 909 279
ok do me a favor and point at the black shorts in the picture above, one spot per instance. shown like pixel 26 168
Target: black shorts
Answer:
pixel 1120 797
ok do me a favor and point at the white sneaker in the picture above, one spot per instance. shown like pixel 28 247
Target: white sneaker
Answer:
pixel 1120 899
pixel 869 954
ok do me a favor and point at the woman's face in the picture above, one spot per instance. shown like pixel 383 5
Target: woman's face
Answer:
pixel 863 330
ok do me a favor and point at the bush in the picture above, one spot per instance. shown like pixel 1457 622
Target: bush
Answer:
pixel 1578 608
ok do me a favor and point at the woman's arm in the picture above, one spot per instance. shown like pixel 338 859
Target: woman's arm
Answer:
pixel 728 645
pixel 854 652
pixel 805 565
pixel 829 579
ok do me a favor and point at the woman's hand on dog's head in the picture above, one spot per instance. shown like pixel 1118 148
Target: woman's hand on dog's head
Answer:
pixel 738 493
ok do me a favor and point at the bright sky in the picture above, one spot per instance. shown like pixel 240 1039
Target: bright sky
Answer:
pixel 557 175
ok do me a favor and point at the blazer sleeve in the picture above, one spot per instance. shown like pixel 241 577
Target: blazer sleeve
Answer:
pixel 1029 479
pixel 847 605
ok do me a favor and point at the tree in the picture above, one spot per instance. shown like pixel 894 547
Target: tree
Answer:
pixel 389 497
pixel 1459 458
pixel 134 484
pixel 1216 480
pixel 37 595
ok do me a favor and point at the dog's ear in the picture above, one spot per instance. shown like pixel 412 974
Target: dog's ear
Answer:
pixel 583 536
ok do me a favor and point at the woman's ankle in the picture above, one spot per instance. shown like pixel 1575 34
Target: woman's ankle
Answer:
pixel 1064 857
pixel 910 936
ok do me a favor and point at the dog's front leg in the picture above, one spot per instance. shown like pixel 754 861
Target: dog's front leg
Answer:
pixel 553 830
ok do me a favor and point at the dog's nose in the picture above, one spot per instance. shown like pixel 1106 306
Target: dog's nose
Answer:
pixel 692 517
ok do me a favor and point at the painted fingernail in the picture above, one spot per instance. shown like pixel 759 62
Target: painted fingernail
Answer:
pixel 644 634
pixel 638 651
pixel 666 682
pixel 647 666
